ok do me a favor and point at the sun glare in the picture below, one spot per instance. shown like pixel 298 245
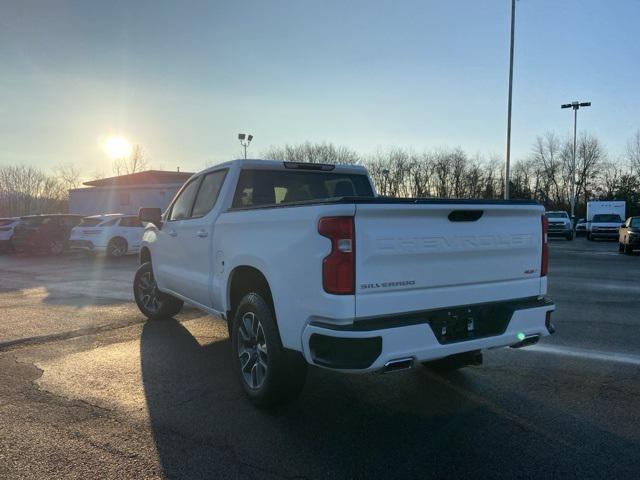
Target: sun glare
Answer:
pixel 117 147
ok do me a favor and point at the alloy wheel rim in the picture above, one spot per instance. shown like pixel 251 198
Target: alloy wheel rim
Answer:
pixel 148 292
pixel 56 247
pixel 252 350
pixel 117 249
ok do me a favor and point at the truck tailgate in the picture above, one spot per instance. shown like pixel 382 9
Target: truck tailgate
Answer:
pixel 413 257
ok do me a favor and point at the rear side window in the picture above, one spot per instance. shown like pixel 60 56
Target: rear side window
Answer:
pixel 130 222
pixel 69 221
pixel 208 193
pixel 274 187
pixel 181 208
pixel 90 222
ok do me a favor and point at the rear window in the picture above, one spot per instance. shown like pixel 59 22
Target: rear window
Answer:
pixel 556 215
pixel 275 187
pixel 90 222
pixel 35 221
pixel 607 218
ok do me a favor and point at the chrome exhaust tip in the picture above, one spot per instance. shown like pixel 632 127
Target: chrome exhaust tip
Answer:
pixel 526 341
pixel 398 365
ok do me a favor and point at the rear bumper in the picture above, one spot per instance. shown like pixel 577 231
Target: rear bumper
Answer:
pixel 604 234
pixel 368 345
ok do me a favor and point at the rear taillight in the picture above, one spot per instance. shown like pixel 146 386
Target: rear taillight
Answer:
pixel 544 266
pixel 338 268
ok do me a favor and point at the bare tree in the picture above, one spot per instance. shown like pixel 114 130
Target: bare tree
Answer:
pixel 27 190
pixel 136 162
pixel 313 153
pixel 68 175
pixel 633 152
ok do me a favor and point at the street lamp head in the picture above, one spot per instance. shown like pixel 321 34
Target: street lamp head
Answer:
pixel 249 138
pixel 565 105
pixel 241 136
pixel 585 104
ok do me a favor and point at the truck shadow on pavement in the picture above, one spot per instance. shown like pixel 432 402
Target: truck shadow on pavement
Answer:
pixel 407 425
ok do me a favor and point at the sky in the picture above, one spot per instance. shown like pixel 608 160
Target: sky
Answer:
pixel 183 78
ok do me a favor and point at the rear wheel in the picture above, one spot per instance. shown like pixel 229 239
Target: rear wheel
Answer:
pixel 117 247
pixel 56 247
pixel 269 374
pixel 152 302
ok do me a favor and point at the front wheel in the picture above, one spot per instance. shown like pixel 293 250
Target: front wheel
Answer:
pixel 270 375
pixel 152 302
pixel 117 247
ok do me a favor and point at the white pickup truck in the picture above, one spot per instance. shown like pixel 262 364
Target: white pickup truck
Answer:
pixel 309 266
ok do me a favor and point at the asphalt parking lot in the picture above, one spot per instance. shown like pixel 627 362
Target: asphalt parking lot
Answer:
pixel 89 390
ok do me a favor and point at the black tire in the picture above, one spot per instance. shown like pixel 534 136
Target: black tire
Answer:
pixel 154 304
pixel 272 375
pixel 117 247
pixel 56 247
pixel 455 362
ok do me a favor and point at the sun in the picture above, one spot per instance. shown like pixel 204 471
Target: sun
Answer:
pixel 117 147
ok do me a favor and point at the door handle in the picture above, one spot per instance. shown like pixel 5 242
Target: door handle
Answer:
pixel 202 233
pixel 173 233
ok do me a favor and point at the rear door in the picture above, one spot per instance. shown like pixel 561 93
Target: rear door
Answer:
pixel 416 257
pixel 131 229
pixel 192 257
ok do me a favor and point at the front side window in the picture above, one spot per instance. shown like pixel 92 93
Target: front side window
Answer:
pixel 635 222
pixel 181 208
pixel 208 193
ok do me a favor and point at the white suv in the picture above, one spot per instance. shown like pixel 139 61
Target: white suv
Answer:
pixel 116 234
pixel 6 232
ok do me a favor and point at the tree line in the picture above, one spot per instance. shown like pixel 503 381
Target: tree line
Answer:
pixel 543 175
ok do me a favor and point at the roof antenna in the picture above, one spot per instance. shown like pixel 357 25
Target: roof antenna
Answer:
pixel 178 169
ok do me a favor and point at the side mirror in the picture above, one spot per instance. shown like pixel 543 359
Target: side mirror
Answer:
pixel 150 215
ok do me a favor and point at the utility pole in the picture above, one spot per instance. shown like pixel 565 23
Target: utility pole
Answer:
pixel 508 155
pixel 576 106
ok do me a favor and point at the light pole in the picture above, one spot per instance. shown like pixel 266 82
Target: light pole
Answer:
pixel 508 155
pixel 576 106
pixel 245 140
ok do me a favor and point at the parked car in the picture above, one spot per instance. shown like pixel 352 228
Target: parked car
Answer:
pixel 604 225
pixel 7 226
pixel 6 232
pixel 116 235
pixel 308 266
pixel 581 227
pixel 44 233
pixel 629 235
pixel 559 224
